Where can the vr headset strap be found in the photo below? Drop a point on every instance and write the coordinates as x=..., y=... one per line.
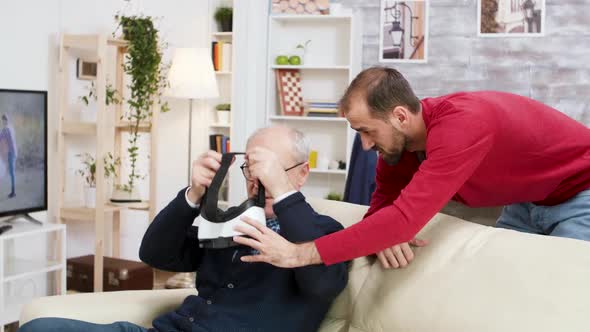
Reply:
x=211, y=198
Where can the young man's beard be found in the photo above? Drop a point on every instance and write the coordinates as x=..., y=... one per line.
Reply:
x=393, y=157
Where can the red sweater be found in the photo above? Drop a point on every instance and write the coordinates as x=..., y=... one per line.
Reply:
x=482, y=149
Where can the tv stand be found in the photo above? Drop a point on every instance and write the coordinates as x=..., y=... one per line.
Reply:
x=24, y=216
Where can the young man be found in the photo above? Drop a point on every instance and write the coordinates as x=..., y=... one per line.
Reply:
x=479, y=148
x=233, y=295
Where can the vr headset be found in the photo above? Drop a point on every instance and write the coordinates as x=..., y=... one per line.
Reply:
x=216, y=227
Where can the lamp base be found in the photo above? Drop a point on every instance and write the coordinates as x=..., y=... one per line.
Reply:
x=182, y=280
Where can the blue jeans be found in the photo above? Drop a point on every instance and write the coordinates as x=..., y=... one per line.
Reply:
x=70, y=325
x=568, y=219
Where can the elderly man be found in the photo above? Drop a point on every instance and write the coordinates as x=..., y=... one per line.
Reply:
x=233, y=295
x=480, y=148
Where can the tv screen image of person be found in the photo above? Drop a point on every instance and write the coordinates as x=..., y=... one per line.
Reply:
x=23, y=151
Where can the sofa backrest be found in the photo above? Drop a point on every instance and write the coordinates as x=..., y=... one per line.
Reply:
x=338, y=318
x=469, y=278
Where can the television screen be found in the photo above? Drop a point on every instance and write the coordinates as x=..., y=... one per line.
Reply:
x=23, y=151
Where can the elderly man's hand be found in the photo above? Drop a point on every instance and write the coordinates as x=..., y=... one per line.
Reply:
x=265, y=166
x=203, y=171
x=400, y=255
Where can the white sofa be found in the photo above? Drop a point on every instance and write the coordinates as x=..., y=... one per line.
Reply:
x=469, y=278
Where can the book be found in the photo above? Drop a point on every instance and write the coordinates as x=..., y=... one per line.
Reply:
x=321, y=104
x=226, y=57
x=216, y=56
x=223, y=144
x=218, y=143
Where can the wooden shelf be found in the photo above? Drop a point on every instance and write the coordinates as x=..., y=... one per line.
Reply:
x=84, y=213
x=89, y=43
x=229, y=34
x=310, y=67
x=102, y=49
x=118, y=42
x=144, y=127
x=307, y=118
x=139, y=206
x=328, y=171
x=79, y=128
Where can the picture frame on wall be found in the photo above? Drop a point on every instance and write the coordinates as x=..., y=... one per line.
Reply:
x=511, y=18
x=403, y=35
x=86, y=70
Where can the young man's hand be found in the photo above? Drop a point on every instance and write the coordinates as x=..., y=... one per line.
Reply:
x=265, y=166
x=203, y=171
x=273, y=248
x=400, y=255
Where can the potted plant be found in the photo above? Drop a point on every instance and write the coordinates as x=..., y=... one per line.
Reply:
x=112, y=98
x=223, y=113
x=88, y=173
x=224, y=18
x=143, y=63
x=299, y=54
x=333, y=196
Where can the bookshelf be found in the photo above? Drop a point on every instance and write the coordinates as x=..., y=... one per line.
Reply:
x=224, y=74
x=332, y=59
x=107, y=133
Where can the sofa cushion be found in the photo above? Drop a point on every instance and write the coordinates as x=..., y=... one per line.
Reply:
x=477, y=278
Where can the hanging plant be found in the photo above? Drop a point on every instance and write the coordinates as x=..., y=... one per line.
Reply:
x=143, y=64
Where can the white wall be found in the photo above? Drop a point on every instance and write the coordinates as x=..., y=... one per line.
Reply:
x=29, y=32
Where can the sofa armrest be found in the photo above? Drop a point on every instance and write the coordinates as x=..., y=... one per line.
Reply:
x=139, y=307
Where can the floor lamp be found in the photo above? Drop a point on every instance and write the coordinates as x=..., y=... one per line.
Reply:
x=191, y=77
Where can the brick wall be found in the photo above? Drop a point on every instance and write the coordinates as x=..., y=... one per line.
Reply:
x=554, y=69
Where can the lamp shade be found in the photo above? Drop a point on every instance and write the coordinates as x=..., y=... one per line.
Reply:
x=191, y=75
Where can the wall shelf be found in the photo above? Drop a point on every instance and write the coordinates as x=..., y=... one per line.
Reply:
x=312, y=18
x=79, y=128
x=331, y=61
x=22, y=268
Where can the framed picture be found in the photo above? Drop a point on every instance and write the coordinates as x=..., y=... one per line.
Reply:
x=85, y=70
x=404, y=31
x=511, y=18
x=289, y=91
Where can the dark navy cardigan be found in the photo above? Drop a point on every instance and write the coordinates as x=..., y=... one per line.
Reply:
x=238, y=296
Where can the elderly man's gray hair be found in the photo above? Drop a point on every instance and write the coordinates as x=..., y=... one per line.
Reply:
x=300, y=142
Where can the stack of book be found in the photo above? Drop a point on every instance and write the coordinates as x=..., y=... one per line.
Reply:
x=321, y=109
x=221, y=54
x=219, y=143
